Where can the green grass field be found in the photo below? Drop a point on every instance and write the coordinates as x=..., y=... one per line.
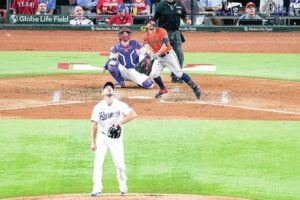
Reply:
x=250, y=159
x=272, y=66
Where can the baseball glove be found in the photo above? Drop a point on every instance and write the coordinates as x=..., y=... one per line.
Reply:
x=114, y=131
x=145, y=66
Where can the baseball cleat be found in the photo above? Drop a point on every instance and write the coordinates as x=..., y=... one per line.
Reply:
x=161, y=92
x=95, y=194
x=197, y=92
x=123, y=193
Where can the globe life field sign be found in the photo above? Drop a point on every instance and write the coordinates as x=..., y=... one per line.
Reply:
x=39, y=19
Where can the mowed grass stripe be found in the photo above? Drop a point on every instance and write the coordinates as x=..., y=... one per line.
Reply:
x=250, y=159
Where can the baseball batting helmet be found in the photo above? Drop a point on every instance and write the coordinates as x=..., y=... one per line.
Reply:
x=149, y=19
x=124, y=37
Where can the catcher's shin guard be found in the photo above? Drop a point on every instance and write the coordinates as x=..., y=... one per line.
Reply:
x=114, y=70
x=147, y=84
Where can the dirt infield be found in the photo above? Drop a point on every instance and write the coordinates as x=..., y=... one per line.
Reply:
x=251, y=99
x=248, y=98
x=31, y=97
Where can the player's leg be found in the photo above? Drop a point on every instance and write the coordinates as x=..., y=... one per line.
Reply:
x=157, y=68
x=172, y=63
x=115, y=72
x=138, y=78
x=117, y=152
x=100, y=154
x=176, y=43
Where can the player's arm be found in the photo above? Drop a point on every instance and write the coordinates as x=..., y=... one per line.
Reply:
x=165, y=44
x=94, y=135
x=184, y=17
x=127, y=118
x=148, y=49
x=141, y=51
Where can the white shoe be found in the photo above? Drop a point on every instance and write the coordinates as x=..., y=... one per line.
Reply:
x=95, y=194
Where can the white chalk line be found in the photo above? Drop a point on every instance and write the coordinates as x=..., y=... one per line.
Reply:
x=241, y=107
x=44, y=105
x=163, y=101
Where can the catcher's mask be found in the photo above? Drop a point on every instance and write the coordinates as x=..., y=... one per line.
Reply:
x=124, y=34
x=150, y=19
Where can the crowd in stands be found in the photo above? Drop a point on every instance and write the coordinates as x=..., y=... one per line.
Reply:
x=124, y=12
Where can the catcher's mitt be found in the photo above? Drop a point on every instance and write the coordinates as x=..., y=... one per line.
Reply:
x=114, y=131
x=145, y=66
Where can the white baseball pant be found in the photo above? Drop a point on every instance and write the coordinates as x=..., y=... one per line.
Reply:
x=170, y=61
x=132, y=75
x=116, y=147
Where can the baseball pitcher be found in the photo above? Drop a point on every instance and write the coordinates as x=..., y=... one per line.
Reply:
x=157, y=45
x=107, y=134
x=123, y=58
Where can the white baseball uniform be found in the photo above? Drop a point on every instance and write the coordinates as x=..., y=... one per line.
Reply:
x=107, y=115
x=170, y=61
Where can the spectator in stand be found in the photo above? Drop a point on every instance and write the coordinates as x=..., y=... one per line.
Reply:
x=140, y=7
x=79, y=18
x=51, y=5
x=270, y=6
x=42, y=9
x=122, y=18
x=198, y=10
x=294, y=8
x=88, y=5
x=24, y=7
x=213, y=6
x=250, y=12
x=108, y=6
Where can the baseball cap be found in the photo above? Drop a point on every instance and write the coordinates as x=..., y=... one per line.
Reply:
x=250, y=4
x=108, y=84
x=121, y=7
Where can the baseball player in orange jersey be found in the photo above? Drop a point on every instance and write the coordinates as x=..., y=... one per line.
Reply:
x=157, y=45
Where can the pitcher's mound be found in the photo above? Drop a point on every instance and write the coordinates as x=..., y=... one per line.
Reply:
x=127, y=197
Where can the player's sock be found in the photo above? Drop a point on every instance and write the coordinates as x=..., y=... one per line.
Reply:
x=159, y=82
x=186, y=78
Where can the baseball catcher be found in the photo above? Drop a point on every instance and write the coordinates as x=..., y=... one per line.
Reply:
x=123, y=58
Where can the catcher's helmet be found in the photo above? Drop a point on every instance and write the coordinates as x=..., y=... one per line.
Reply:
x=124, y=37
x=149, y=19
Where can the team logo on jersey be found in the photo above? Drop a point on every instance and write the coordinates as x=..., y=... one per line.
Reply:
x=13, y=19
x=103, y=116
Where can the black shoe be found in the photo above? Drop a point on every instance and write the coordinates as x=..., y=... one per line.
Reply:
x=197, y=92
x=176, y=80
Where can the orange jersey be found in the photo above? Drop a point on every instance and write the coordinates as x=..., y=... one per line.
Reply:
x=156, y=39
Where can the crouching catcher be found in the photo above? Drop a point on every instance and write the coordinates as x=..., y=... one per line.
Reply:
x=123, y=58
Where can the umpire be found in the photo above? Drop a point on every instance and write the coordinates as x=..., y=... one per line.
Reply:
x=168, y=14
